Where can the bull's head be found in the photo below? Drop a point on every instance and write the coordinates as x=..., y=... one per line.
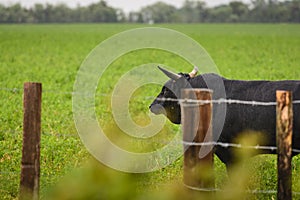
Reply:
x=172, y=90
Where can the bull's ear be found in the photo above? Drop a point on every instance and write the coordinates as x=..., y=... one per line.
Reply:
x=169, y=74
x=194, y=72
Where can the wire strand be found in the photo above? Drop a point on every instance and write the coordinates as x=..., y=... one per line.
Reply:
x=247, y=191
x=213, y=143
x=184, y=102
x=234, y=145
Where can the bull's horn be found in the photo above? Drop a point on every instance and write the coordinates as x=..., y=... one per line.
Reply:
x=194, y=72
x=169, y=74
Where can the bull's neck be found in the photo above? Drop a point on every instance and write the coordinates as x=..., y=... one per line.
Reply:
x=201, y=81
x=197, y=82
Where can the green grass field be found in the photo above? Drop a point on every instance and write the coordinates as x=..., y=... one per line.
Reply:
x=52, y=54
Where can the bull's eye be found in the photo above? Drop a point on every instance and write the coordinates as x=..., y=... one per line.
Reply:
x=166, y=91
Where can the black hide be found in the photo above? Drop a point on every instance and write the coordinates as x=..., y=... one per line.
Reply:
x=240, y=119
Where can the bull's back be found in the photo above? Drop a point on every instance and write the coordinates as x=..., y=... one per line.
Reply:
x=246, y=118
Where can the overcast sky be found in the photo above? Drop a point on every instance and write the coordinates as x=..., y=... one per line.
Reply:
x=126, y=5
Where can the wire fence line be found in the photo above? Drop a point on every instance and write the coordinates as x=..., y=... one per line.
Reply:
x=9, y=173
x=255, y=191
x=183, y=102
x=15, y=90
x=20, y=90
x=247, y=191
x=213, y=143
x=20, y=132
x=234, y=145
x=12, y=132
x=195, y=102
x=179, y=101
x=97, y=94
x=17, y=173
x=165, y=142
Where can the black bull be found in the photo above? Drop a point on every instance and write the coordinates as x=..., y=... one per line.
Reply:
x=239, y=119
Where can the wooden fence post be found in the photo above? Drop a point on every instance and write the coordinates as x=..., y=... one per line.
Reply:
x=284, y=129
x=197, y=125
x=30, y=166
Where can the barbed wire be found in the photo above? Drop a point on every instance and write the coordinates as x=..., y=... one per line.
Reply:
x=15, y=90
x=12, y=132
x=256, y=191
x=227, y=101
x=179, y=101
x=212, y=143
x=184, y=102
x=11, y=89
x=8, y=173
x=234, y=145
x=19, y=132
x=194, y=102
x=69, y=135
x=96, y=94
x=247, y=191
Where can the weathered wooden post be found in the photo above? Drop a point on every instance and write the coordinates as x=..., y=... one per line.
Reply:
x=197, y=128
x=30, y=166
x=284, y=128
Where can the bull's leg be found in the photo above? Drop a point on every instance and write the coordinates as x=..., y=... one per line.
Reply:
x=225, y=155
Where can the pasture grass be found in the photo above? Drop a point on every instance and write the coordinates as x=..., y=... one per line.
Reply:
x=52, y=54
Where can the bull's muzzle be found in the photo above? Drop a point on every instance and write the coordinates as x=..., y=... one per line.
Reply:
x=157, y=109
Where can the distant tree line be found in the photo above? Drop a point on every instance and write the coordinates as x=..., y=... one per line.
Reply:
x=60, y=13
x=192, y=11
